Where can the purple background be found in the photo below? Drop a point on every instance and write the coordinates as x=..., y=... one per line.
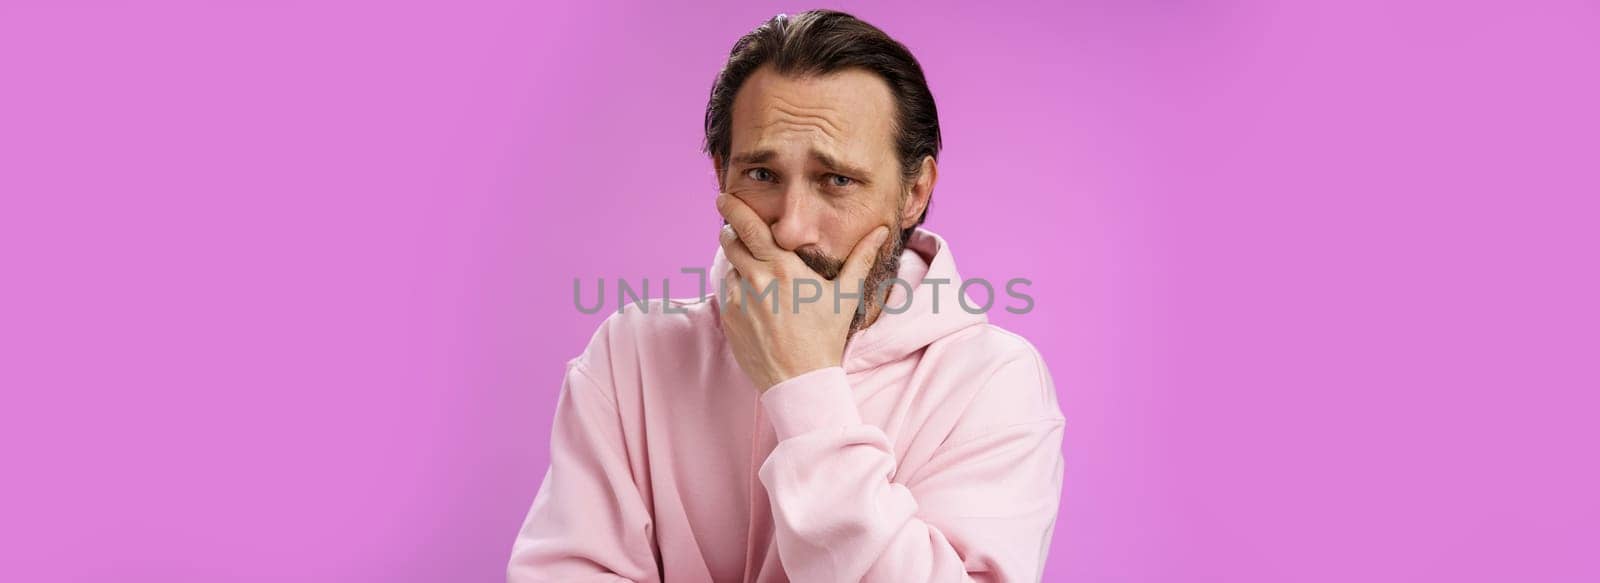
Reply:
x=287, y=286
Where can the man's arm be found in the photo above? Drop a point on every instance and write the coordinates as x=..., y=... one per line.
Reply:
x=588, y=522
x=982, y=509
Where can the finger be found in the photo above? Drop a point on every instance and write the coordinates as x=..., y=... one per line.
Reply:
x=737, y=253
x=861, y=258
x=729, y=295
x=755, y=233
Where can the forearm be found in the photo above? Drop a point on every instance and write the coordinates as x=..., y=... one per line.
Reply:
x=983, y=511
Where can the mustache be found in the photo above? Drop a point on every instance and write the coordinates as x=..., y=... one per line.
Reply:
x=824, y=264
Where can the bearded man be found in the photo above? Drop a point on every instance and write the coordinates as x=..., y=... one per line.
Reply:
x=807, y=422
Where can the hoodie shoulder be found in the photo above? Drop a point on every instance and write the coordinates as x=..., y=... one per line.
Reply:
x=1011, y=384
x=644, y=336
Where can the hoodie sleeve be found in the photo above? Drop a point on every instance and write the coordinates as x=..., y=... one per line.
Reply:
x=588, y=521
x=982, y=508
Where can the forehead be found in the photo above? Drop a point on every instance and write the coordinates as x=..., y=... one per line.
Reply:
x=848, y=114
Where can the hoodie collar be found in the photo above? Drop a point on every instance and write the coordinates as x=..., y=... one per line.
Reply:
x=927, y=266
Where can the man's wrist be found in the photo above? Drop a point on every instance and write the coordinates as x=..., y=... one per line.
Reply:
x=817, y=399
x=782, y=376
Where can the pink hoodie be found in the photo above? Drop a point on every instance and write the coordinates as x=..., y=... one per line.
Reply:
x=932, y=454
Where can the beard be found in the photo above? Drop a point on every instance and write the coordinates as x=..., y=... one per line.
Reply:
x=885, y=265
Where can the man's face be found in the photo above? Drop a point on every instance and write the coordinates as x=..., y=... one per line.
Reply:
x=815, y=157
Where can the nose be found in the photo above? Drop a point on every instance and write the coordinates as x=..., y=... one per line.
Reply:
x=798, y=221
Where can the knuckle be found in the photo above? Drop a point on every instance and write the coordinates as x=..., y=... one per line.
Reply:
x=746, y=233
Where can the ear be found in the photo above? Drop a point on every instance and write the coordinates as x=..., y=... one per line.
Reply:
x=921, y=191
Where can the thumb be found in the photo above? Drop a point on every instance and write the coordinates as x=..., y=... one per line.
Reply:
x=859, y=264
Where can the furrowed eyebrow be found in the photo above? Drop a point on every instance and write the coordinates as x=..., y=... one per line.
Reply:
x=834, y=165
x=756, y=157
x=829, y=162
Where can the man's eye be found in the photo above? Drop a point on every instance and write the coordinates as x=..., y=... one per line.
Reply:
x=839, y=181
x=759, y=174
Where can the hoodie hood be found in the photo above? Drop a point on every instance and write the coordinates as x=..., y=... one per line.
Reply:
x=932, y=309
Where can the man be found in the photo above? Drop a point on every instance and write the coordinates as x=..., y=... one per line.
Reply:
x=791, y=427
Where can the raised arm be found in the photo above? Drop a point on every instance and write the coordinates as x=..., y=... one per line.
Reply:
x=982, y=509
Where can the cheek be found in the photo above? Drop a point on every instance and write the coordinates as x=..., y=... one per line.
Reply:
x=869, y=209
x=766, y=206
x=848, y=222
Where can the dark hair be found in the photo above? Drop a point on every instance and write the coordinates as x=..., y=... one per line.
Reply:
x=819, y=42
